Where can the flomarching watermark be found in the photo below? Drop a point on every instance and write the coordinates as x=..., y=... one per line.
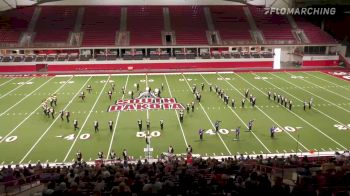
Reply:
x=300, y=11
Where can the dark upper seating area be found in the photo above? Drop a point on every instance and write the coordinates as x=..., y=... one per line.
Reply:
x=100, y=24
x=231, y=22
x=189, y=24
x=314, y=33
x=13, y=23
x=145, y=24
x=274, y=27
x=55, y=23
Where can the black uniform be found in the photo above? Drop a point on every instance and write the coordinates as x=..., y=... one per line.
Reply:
x=188, y=108
x=100, y=155
x=189, y=149
x=210, y=88
x=246, y=93
x=238, y=132
x=89, y=88
x=243, y=101
x=272, y=132
x=79, y=156
x=62, y=114
x=181, y=116
x=139, y=122
x=96, y=126
x=125, y=154
x=274, y=96
x=67, y=116
x=171, y=150
x=112, y=155
x=52, y=112
x=202, y=86
x=269, y=95
x=250, y=125
x=310, y=105
x=137, y=86
x=161, y=124
x=290, y=105
x=201, y=132
x=148, y=124
x=110, y=95
x=192, y=106
x=75, y=125
x=110, y=124
x=162, y=87
x=304, y=105
x=113, y=85
x=217, y=126
x=253, y=101
x=233, y=103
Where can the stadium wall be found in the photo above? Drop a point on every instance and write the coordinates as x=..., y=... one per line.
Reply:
x=320, y=60
x=136, y=65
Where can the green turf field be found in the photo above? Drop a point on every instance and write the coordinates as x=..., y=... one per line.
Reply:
x=27, y=135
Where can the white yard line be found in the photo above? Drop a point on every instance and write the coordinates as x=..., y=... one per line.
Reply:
x=19, y=86
x=347, y=98
x=312, y=93
x=7, y=82
x=24, y=120
x=18, y=102
x=116, y=121
x=176, y=113
x=327, y=80
x=314, y=109
x=281, y=127
x=146, y=87
x=256, y=137
x=41, y=137
x=87, y=118
x=223, y=142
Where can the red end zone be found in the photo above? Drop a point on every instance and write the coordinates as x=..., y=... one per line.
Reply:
x=345, y=75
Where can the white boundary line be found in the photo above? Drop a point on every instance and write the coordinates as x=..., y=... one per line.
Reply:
x=18, y=102
x=311, y=93
x=347, y=98
x=176, y=113
x=223, y=142
x=14, y=129
x=241, y=119
x=7, y=81
x=116, y=121
x=19, y=86
x=146, y=87
x=87, y=118
x=327, y=80
x=40, y=138
x=281, y=127
x=314, y=109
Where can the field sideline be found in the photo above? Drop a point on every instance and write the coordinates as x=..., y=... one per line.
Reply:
x=28, y=136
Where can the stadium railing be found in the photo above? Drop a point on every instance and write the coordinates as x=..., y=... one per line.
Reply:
x=19, y=185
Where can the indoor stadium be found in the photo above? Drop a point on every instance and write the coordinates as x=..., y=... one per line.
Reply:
x=175, y=97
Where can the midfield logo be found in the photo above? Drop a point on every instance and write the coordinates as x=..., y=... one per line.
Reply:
x=146, y=104
x=147, y=100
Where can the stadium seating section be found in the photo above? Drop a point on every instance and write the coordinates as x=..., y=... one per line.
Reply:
x=13, y=23
x=100, y=29
x=231, y=22
x=55, y=24
x=146, y=23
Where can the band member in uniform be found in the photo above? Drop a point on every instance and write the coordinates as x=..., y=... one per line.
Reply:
x=243, y=101
x=123, y=90
x=201, y=132
x=278, y=98
x=189, y=149
x=285, y=102
x=148, y=124
x=246, y=93
x=217, y=126
x=269, y=94
x=161, y=124
x=100, y=155
x=125, y=154
x=272, y=131
x=171, y=149
x=96, y=126
x=274, y=96
x=137, y=86
x=238, y=130
x=253, y=101
x=233, y=103
x=162, y=87
x=290, y=104
x=110, y=95
x=67, y=116
x=188, y=108
x=139, y=122
x=202, y=86
x=210, y=88
x=110, y=124
x=113, y=86
x=192, y=106
x=79, y=156
x=112, y=155
x=181, y=116
x=250, y=125
x=82, y=95
x=62, y=114
x=88, y=88
x=54, y=99
x=52, y=112
x=75, y=123
x=304, y=105
x=310, y=104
